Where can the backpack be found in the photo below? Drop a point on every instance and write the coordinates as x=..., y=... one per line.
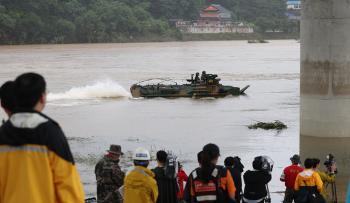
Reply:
x=211, y=191
x=171, y=166
x=309, y=194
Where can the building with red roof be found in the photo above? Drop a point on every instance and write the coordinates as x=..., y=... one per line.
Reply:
x=214, y=19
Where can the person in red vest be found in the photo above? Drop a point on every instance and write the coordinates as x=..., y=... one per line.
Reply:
x=288, y=176
x=181, y=178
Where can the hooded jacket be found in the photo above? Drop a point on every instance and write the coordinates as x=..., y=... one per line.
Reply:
x=308, y=178
x=140, y=186
x=36, y=164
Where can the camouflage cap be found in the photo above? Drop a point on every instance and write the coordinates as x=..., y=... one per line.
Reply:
x=115, y=149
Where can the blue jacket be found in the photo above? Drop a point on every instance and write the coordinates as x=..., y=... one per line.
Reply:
x=348, y=196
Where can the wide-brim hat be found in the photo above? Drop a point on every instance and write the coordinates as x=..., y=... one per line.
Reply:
x=295, y=158
x=115, y=149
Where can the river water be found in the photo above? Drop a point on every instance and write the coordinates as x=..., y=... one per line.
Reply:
x=89, y=96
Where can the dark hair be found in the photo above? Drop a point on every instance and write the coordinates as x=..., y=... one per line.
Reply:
x=200, y=157
x=257, y=163
x=7, y=95
x=295, y=159
x=161, y=156
x=229, y=161
x=29, y=87
x=212, y=150
x=210, y=153
x=308, y=163
x=316, y=162
x=238, y=164
x=141, y=163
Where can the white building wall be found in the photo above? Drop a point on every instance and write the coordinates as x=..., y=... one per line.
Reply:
x=210, y=28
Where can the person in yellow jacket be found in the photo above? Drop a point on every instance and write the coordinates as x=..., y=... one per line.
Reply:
x=327, y=177
x=308, y=178
x=36, y=164
x=308, y=184
x=139, y=184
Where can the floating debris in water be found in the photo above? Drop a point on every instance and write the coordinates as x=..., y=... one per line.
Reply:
x=257, y=41
x=277, y=125
x=79, y=139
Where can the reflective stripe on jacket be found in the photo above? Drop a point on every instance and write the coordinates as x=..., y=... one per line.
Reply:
x=226, y=184
x=36, y=164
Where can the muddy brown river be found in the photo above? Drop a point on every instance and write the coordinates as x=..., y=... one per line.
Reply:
x=89, y=96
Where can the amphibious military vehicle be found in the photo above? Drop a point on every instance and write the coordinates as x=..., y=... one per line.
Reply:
x=206, y=86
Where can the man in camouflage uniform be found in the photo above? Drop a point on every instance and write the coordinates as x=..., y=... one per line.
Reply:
x=109, y=176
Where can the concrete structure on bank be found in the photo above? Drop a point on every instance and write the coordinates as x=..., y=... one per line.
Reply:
x=294, y=10
x=198, y=27
x=325, y=83
x=294, y=4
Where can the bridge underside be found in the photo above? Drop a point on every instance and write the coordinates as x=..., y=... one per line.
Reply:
x=325, y=84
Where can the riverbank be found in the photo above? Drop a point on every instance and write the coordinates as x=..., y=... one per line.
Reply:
x=235, y=36
x=177, y=36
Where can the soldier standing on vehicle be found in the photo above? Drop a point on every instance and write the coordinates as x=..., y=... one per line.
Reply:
x=204, y=76
x=196, y=79
x=109, y=176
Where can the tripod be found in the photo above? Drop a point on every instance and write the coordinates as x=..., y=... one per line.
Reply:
x=334, y=193
x=268, y=198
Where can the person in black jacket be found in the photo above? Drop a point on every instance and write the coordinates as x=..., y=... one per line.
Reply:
x=234, y=165
x=167, y=187
x=255, y=182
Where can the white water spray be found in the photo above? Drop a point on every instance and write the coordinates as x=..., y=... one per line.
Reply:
x=100, y=90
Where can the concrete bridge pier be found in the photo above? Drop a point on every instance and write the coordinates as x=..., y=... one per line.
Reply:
x=325, y=84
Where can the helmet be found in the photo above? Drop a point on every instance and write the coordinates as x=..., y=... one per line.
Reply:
x=141, y=154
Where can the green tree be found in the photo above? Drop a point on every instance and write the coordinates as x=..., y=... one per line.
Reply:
x=89, y=27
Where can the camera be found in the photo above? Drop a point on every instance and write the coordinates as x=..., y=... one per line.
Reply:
x=263, y=163
x=267, y=164
x=330, y=161
x=91, y=200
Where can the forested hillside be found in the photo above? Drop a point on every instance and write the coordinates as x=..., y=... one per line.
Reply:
x=70, y=21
